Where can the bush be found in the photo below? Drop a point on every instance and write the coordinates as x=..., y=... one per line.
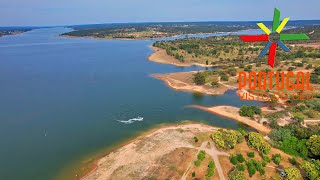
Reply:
x=195, y=139
x=276, y=158
x=249, y=111
x=251, y=167
x=243, y=132
x=309, y=66
x=197, y=163
x=280, y=134
x=293, y=161
x=317, y=70
x=224, y=77
x=233, y=159
x=250, y=154
x=251, y=170
x=314, y=79
x=202, y=155
x=210, y=170
x=211, y=165
x=298, y=118
x=236, y=175
x=264, y=164
x=300, y=64
x=291, y=68
x=257, y=165
x=240, y=167
x=193, y=174
x=294, y=146
x=266, y=158
x=240, y=158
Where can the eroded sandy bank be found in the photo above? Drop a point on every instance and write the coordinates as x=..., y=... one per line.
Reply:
x=233, y=113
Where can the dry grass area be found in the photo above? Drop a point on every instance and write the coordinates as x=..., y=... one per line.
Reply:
x=173, y=164
x=201, y=171
x=166, y=152
x=226, y=165
x=315, y=45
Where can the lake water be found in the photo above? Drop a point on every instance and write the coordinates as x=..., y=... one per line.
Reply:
x=61, y=99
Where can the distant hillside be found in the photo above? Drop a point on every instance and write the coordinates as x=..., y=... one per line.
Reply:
x=167, y=29
x=13, y=30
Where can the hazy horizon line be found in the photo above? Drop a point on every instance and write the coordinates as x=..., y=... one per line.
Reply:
x=145, y=22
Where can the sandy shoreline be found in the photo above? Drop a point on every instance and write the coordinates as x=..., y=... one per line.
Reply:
x=182, y=81
x=160, y=56
x=98, y=170
x=233, y=113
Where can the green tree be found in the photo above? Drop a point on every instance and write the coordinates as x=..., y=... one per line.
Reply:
x=313, y=144
x=202, y=155
x=250, y=154
x=197, y=163
x=293, y=173
x=199, y=78
x=255, y=140
x=233, y=159
x=227, y=139
x=246, y=111
x=240, y=167
x=210, y=170
x=266, y=158
x=252, y=170
x=240, y=158
x=276, y=158
x=311, y=170
x=280, y=134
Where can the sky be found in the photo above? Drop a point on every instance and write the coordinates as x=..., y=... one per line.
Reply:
x=72, y=12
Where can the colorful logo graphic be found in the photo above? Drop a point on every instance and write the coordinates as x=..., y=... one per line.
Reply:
x=274, y=38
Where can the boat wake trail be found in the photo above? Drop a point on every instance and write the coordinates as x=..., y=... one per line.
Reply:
x=130, y=121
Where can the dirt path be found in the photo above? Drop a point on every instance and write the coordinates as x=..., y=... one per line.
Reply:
x=311, y=121
x=184, y=176
x=214, y=153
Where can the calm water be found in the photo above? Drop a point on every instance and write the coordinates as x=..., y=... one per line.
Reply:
x=60, y=100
